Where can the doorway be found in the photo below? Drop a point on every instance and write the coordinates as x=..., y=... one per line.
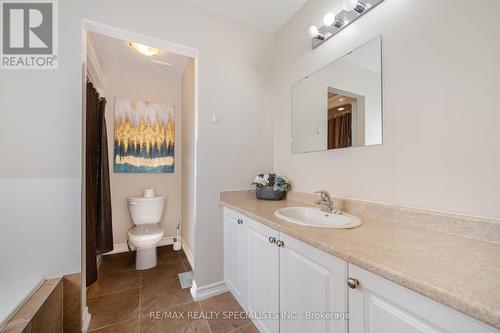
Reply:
x=120, y=74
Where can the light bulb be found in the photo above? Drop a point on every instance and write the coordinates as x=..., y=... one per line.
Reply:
x=329, y=19
x=144, y=49
x=356, y=5
x=349, y=5
x=313, y=31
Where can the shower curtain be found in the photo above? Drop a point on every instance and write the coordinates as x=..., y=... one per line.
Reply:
x=98, y=227
x=340, y=131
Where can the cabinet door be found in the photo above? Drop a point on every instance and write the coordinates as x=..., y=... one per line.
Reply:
x=380, y=306
x=262, y=277
x=233, y=253
x=313, y=289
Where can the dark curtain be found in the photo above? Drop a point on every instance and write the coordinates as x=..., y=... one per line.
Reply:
x=340, y=131
x=98, y=232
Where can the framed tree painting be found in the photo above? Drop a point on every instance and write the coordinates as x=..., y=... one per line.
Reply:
x=144, y=139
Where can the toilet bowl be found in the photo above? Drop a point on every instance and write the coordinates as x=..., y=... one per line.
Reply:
x=146, y=213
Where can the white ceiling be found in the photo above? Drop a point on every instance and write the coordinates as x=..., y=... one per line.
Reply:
x=267, y=15
x=114, y=53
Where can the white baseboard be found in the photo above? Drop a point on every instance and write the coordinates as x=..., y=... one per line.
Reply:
x=210, y=290
x=189, y=254
x=122, y=247
x=86, y=320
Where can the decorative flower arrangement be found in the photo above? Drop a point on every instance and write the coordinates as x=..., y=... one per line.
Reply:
x=271, y=186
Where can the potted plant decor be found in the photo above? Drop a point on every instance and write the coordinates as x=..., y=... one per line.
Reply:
x=271, y=186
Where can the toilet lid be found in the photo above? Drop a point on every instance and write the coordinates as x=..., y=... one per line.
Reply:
x=146, y=229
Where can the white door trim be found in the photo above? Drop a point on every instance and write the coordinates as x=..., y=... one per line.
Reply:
x=189, y=254
x=118, y=33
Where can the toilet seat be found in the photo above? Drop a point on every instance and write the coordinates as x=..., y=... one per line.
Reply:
x=145, y=235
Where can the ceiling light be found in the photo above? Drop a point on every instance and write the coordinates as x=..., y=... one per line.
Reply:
x=144, y=50
x=356, y=5
x=341, y=109
x=315, y=33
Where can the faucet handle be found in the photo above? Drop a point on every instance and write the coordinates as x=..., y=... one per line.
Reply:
x=324, y=194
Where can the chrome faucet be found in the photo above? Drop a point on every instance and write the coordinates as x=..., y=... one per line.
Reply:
x=326, y=204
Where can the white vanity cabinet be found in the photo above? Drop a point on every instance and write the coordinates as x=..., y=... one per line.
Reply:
x=377, y=305
x=279, y=275
x=262, y=281
x=272, y=273
x=233, y=253
x=312, y=284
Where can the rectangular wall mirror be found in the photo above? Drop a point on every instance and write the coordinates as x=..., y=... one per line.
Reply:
x=340, y=105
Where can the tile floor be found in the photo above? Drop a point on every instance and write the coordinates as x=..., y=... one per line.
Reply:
x=123, y=299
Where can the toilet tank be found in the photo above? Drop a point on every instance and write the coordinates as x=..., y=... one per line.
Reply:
x=146, y=210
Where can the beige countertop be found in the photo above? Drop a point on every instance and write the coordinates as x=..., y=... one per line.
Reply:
x=461, y=273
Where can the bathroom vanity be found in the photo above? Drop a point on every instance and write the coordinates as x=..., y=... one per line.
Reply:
x=380, y=277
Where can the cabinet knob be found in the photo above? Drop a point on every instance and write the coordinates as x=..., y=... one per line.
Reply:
x=272, y=240
x=280, y=243
x=352, y=283
x=240, y=221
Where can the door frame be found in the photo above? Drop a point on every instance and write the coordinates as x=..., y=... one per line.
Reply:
x=118, y=33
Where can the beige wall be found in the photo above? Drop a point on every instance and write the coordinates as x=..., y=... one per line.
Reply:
x=235, y=82
x=440, y=61
x=188, y=156
x=126, y=81
x=441, y=130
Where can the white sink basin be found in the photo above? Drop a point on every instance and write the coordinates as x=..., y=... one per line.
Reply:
x=314, y=217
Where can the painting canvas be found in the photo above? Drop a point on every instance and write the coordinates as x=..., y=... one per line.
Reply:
x=144, y=137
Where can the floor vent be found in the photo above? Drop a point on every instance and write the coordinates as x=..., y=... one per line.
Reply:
x=186, y=279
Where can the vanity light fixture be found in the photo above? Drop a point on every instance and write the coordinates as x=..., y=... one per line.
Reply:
x=333, y=23
x=148, y=51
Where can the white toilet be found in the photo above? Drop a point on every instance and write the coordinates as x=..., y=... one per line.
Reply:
x=146, y=213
